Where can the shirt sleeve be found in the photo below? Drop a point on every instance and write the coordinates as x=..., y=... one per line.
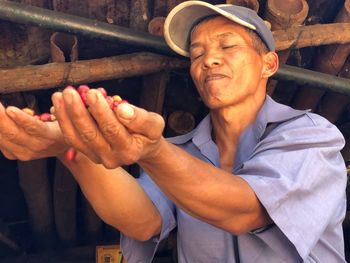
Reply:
x=299, y=176
x=138, y=251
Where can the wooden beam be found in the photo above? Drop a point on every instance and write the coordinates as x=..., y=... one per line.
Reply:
x=84, y=71
x=315, y=35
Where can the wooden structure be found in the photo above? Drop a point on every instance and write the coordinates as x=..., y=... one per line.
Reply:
x=34, y=215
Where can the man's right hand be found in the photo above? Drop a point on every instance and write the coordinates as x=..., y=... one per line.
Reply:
x=24, y=137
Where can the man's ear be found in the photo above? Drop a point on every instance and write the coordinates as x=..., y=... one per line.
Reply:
x=271, y=63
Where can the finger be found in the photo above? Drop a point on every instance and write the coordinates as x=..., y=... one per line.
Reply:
x=13, y=152
x=52, y=110
x=140, y=121
x=83, y=122
x=31, y=125
x=113, y=131
x=8, y=155
x=13, y=139
x=27, y=129
x=70, y=134
x=8, y=129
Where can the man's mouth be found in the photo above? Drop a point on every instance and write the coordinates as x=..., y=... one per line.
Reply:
x=214, y=77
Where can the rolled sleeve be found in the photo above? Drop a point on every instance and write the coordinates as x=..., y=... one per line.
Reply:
x=138, y=251
x=299, y=177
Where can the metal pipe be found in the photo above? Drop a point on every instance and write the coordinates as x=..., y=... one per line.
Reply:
x=27, y=14
x=316, y=79
x=58, y=21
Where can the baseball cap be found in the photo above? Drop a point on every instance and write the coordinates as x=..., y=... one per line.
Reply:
x=181, y=20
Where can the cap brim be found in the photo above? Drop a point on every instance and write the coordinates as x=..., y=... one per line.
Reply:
x=182, y=18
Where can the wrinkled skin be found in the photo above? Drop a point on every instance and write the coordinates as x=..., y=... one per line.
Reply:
x=96, y=132
x=24, y=137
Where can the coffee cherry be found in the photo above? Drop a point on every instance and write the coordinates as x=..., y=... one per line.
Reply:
x=70, y=154
x=117, y=98
x=45, y=116
x=83, y=89
x=83, y=98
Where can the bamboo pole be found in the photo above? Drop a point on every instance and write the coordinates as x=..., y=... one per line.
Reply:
x=61, y=74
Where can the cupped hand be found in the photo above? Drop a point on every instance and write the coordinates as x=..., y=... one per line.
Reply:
x=114, y=138
x=24, y=137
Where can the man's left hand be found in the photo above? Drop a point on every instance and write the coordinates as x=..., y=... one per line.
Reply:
x=125, y=136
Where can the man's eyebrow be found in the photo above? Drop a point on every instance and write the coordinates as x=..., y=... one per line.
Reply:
x=220, y=36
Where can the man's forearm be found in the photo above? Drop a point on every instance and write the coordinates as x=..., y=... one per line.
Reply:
x=116, y=197
x=205, y=191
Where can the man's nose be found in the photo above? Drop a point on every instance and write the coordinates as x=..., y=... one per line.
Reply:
x=212, y=59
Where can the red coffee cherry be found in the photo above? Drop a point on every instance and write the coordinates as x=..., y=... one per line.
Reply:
x=83, y=89
x=45, y=117
x=70, y=154
x=103, y=91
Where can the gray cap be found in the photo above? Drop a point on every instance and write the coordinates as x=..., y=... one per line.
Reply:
x=185, y=16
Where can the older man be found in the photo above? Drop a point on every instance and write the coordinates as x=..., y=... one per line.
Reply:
x=256, y=181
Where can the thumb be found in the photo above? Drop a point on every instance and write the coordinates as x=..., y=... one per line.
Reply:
x=140, y=121
x=125, y=111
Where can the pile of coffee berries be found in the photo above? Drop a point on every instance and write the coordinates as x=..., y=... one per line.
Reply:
x=113, y=102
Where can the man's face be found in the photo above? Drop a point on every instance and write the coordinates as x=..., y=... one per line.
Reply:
x=224, y=64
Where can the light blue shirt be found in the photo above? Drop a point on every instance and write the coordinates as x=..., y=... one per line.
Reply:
x=292, y=161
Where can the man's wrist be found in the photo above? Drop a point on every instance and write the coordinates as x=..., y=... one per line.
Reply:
x=154, y=154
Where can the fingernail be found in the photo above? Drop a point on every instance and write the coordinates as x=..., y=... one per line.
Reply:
x=125, y=111
x=11, y=113
x=68, y=97
x=92, y=97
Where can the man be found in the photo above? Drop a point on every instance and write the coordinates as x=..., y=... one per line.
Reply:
x=256, y=181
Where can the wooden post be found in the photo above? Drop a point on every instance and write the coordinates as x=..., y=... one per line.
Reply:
x=329, y=60
x=65, y=205
x=34, y=182
x=281, y=15
x=179, y=123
